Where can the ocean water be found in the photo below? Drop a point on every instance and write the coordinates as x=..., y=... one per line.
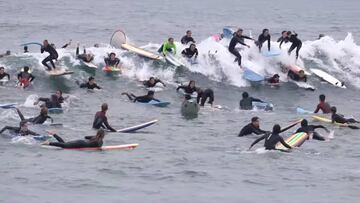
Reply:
x=179, y=159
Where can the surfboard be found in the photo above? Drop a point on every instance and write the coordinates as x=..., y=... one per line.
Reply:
x=4, y=81
x=155, y=89
x=252, y=76
x=296, y=69
x=270, y=53
x=40, y=138
x=55, y=110
x=137, y=127
x=59, y=72
x=190, y=107
x=327, y=120
x=303, y=85
x=103, y=148
x=158, y=104
x=88, y=64
x=118, y=38
x=170, y=58
x=193, y=95
x=7, y=106
x=294, y=140
x=328, y=78
x=228, y=32
x=300, y=110
x=263, y=106
x=110, y=69
x=141, y=52
x=31, y=43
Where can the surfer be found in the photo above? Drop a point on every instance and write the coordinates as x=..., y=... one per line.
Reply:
x=253, y=127
x=52, y=102
x=100, y=120
x=275, y=79
x=271, y=139
x=24, y=77
x=187, y=38
x=152, y=82
x=7, y=53
x=263, y=37
x=142, y=99
x=112, y=60
x=26, y=50
x=84, y=57
x=22, y=130
x=238, y=38
x=298, y=77
x=340, y=118
x=40, y=119
x=190, y=52
x=310, y=130
x=3, y=74
x=168, y=46
x=323, y=106
x=89, y=142
x=60, y=97
x=189, y=89
x=53, y=54
x=296, y=43
x=283, y=37
x=91, y=84
x=246, y=101
x=203, y=95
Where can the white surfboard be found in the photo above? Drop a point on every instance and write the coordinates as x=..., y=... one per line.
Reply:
x=59, y=71
x=304, y=85
x=327, y=77
x=137, y=127
x=173, y=60
x=141, y=52
x=89, y=64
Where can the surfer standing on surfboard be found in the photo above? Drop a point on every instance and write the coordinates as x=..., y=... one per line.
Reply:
x=296, y=42
x=53, y=55
x=3, y=74
x=263, y=37
x=238, y=38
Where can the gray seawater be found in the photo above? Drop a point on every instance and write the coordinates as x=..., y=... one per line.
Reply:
x=178, y=160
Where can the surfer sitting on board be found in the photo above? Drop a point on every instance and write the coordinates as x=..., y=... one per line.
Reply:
x=24, y=77
x=53, y=55
x=310, y=130
x=238, y=38
x=275, y=79
x=298, y=77
x=91, y=84
x=263, y=37
x=152, y=82
x=22, y=130
x=296, y=43
x=112, y=60
x=283, y=37
x=52, y=102
x=190, y=52
x=142, y=99
x=84, y=57
x=253, y=127
x=187, y=38
x=100, y=120
x=189, y=89
x=89, y=142
x=3, y=74
x=203, y=95
x=40, y=119
x=271, y=139
x=340, y=118
x=168, y=46
x=246, y=101
x=323, y=106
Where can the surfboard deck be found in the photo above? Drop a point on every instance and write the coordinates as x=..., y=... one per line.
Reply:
x=173, y=60
x=59, y=72
x=252, y=76
x=141, y=52
x=328, y=78
x=55, y=110
x=303, y=85
x=294, y=140
x=158, y=104
x=137, y=127
x=300, y=110
x=327, y=120
x=89, y=64
x=103, y=148
x=263, y=106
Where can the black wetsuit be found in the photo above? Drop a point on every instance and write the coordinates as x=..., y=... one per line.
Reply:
x=145, y=99
x=100, y=121
x=246, y=103
x=311, y=129
x=285, y=39
x=53, y=55
x=296, y=43
x=296, y=77
x=189, y=53
x=49, y=103
x=340, y=119
x=185, y=39
x=88, y=143
x=272, y=80
x=25, y=76
x=204, y=95
x=187, y=89
x=17, y=130
x=271, y=140
x=110, y=62
x=40, y=119
x=249, y=129
x=2, y=76
x=82, y=56
x=91, y=87
x=236, y=39
x=262, y=38
x=148, y=84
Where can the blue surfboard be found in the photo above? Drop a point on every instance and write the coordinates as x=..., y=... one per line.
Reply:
x=252, y=76
x=159, y=104
x=228, y=32
x=55, y=110
x=271, y=53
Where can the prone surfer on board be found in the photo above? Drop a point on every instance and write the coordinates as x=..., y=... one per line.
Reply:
x=310, y=130
x=91, y=84
x=24, y=77
x=298, y=77
x=89, y=142
x=112, y=60
x=187, y=38
x=53, y=55
x=296, y=42
x=22, y=130
x=3, y=74
x=275, y=79
x=40, y=119
x=263, y=37
x=203, y=95
x=238, y=38
x=340, y=118
x=100, y=120
x=142, y=99
x=152, y=82
x=168, y=46
x=87, y=57
x=246, y=101
x=271, y=139
x=323, y=106
x=190, y=52
x=52, y=102
x=253, y=127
